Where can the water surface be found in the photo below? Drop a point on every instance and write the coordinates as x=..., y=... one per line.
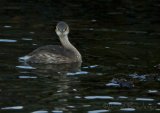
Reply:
x=119, y=42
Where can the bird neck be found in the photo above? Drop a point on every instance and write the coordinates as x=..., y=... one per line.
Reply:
x=66, y=44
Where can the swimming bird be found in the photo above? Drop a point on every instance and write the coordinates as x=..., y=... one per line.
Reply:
x=55, y=54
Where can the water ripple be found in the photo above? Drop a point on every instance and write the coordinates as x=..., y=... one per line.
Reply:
x=25, y=67
x=8, y=40
x=122, y=97
x=92, y=66
x=27, y=39
x=78, y=73
x=127, y=109
x=115, y=103
x=43, y=111
x=98, y=111
x=136, y=76
x=71, y=107
x=13, y=107
x=27, y=77
x=152, y=91
x=7, y=26
x=98, y=97
x=56, y=111
x=144, y=99
x=40, y=111
x=112, y=85
x=77, y=97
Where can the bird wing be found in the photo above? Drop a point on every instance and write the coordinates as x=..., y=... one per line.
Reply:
x=50, y=54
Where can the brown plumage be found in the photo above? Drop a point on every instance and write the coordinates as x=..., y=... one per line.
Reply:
x=56, y=54
x=45, y=55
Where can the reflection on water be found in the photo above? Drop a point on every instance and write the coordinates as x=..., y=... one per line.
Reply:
x=7, y=40
x=14, y=107
x=119, y=42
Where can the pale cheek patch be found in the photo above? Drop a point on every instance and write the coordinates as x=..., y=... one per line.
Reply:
x=66, y=33
x=58, y=33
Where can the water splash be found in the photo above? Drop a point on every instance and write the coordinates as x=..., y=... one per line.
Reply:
x=23, y=59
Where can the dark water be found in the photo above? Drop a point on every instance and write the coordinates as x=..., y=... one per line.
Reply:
x=118, y=39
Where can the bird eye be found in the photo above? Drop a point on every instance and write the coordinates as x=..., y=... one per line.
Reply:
x=61, y=30
x=64, y=29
